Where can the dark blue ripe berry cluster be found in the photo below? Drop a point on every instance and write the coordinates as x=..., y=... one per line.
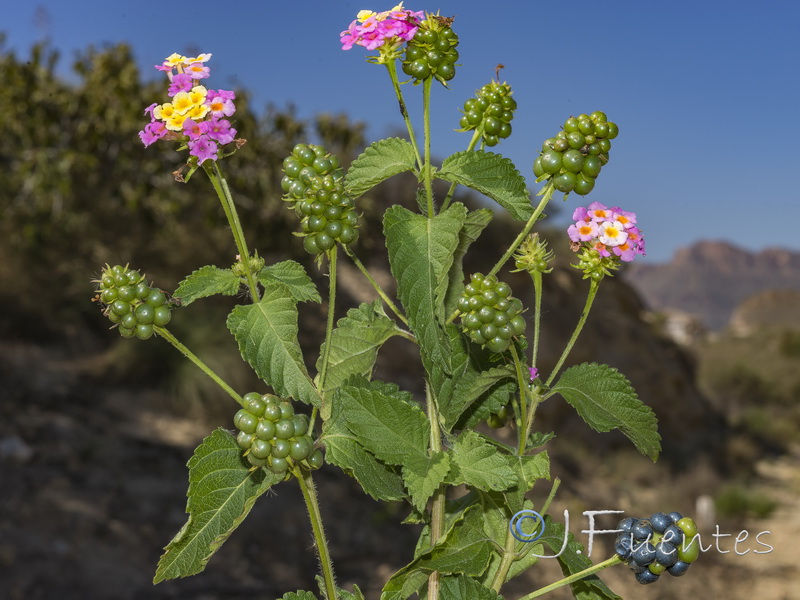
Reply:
x=273, y=436
x=574, y=157
x=131, y=303
x=664, y=542
x=489, y=314
x=432, y=51
x=313, y=183
x=492, y=109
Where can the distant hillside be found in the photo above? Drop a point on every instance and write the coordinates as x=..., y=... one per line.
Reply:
x=711, y=278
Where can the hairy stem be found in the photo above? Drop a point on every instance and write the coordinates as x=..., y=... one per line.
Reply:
x=375, y=285
x=522, y=412
x=332, y=255
x=426, y=120
x=472, y=143
x=310, y=496
x=537, y=314
x=586, y=308
x=614, y=560
x=392, y=68
x=164, y=333
x=547, y=194
x=439, y=496
x=229, y=207
x=509, y=556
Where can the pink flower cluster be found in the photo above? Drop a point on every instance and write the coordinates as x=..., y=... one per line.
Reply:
x=195, y=114
x=372, y=30
x=607, y=230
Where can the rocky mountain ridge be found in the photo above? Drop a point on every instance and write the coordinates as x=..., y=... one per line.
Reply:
x=709, y=279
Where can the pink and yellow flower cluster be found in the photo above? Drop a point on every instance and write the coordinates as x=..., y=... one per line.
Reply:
x=372, y=30
x=195, y=114
x=606, y=230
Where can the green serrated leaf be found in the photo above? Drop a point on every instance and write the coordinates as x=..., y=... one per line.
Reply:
x=539, y=438
x=492, y=175
x=404, y=584
x=378, y=162
x=464, y=549
x=207, y=281
x=222, y=490
x=460, y=587
x=355, y=343
x=490, y=401
x=267, y=336
x=293, y=276
x=529, y=469
x=479, y=464
x=423, y=475
x=604, y=398
x=420, y=255
x=475, y=223
x=377, y=479
x=384, y=420
x=473, y=379
x=573, y=560
x=298, y=595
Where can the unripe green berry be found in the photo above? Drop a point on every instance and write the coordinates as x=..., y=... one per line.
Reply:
x=316, y=460
x=281, y=448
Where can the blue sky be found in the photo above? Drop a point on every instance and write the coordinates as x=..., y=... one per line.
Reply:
x=705, y=93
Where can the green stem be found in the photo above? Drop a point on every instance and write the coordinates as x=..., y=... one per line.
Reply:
x=553, y=490
x=509, y=556
x=310, y=496
x=614, y=560
x=522, y=433
x=332, y=254
x=536, y=400
x=475, y=137
x=392, y=68
x=221, y=187
x=547, y=194
x=537, y=314
x=439, y=496
x=509, y=552
x=375, y=285
x=164, y=333
x=586, y=308
x=426, y=121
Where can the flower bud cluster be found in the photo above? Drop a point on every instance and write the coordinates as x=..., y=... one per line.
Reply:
x=533, y=255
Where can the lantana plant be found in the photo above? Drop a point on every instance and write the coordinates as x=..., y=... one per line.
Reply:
x=478, y=342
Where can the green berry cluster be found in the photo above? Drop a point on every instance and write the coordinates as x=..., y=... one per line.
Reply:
x=574, y=157
x=273, y=436
x=489, y=314
x=492, y=109
x=432, y=51
x=313, y=182
x=131, y=303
